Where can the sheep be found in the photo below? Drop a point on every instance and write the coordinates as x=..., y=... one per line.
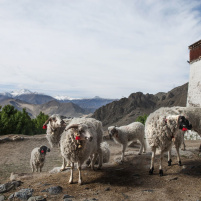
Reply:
x=38, y=158
x=79, y=142
x=129, y=133
x=56, y=124
x=167, y=125
x=105, y=153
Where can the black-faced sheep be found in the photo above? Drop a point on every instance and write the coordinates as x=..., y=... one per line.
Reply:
x=125, y=134
x=38, y=158
x=166, y=126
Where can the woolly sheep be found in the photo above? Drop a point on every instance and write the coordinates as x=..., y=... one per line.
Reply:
x=167, y=125
x=79, y=142
x=129, y=133
x=38, y=158
x=105, y=153
x=56, y=125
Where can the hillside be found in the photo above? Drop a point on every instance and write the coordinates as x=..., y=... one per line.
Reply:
x=51, y=107
x=126, y=110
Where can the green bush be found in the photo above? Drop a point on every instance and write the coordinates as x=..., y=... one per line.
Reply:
x=142, y=119
x=13, y=121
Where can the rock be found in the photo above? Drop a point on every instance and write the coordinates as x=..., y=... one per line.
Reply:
x=9, y=186
x=67, y=198
x=54, y=190
x=2, y=198
x=23, y=194
x=175, y=178
x=37, y=198
x=149, y=190
x=107, y=189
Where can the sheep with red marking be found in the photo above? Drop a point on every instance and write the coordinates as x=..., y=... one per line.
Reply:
x=38, y=158
x=79, y=142
x=166, y=126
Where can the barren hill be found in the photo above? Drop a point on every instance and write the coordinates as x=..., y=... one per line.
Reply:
x=126, y=110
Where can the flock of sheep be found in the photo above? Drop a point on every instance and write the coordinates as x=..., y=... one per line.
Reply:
x=81, y=139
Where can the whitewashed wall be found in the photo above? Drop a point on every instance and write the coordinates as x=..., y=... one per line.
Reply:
x=194, y=87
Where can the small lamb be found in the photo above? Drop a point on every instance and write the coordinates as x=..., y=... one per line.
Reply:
x=105, y=147
x=38, y=158
x=129, y=133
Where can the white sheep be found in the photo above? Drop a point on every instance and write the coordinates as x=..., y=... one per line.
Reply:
x=105, y=153
x=38, y=158
x=56, y=125
x=79, y=142
x=129, y=133
x=167, y=125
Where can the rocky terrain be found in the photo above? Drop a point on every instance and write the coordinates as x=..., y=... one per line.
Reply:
x=126, y=110
x=115, y=181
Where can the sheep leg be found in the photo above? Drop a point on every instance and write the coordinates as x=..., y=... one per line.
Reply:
x=63, y=164
x=152, y=160
x=169, y=157
x=160, y=166
x=141, y=147
x=178, y=155
x=184, y=145
x=80, y=177
x=100, y=158
x=71, y=173
x=32, y=167
x=123, y=150
x=93, y=160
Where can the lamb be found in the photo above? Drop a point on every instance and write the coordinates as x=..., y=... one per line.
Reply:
x=129, y=133
x=38, y=158
x=167, y=125
x=56, y=124
x=105, y=153
x=79, y=142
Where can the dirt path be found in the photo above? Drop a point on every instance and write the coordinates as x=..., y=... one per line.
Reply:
x=127, y=181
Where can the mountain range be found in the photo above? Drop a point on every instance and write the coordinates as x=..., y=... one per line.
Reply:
x=35, y=102
x=126, y=110
x=109, y=111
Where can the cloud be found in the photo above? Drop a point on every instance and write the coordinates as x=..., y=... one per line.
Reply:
x=105, y=48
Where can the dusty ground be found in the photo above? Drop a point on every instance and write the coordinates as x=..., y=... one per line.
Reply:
x=128, y=181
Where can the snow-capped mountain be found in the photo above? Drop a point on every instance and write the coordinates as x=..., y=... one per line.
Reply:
x=89, y=104
x=63, y=98
x=21, y=92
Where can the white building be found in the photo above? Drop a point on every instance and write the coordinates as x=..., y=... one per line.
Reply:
x=194, y=86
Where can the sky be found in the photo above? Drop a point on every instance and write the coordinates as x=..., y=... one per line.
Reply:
x=87, y=48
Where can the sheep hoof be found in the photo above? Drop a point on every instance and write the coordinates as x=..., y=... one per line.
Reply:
x=139, y=153
x=71, y=182
x=151, y=171
x=161, y=172
x=169, y=162
x=179, y=163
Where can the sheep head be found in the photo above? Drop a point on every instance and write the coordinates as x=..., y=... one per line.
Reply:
x=177, y=121
x=81, y=131
x=184, y=123
x=54, y=122
x=43, y=150
x=113, y=132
